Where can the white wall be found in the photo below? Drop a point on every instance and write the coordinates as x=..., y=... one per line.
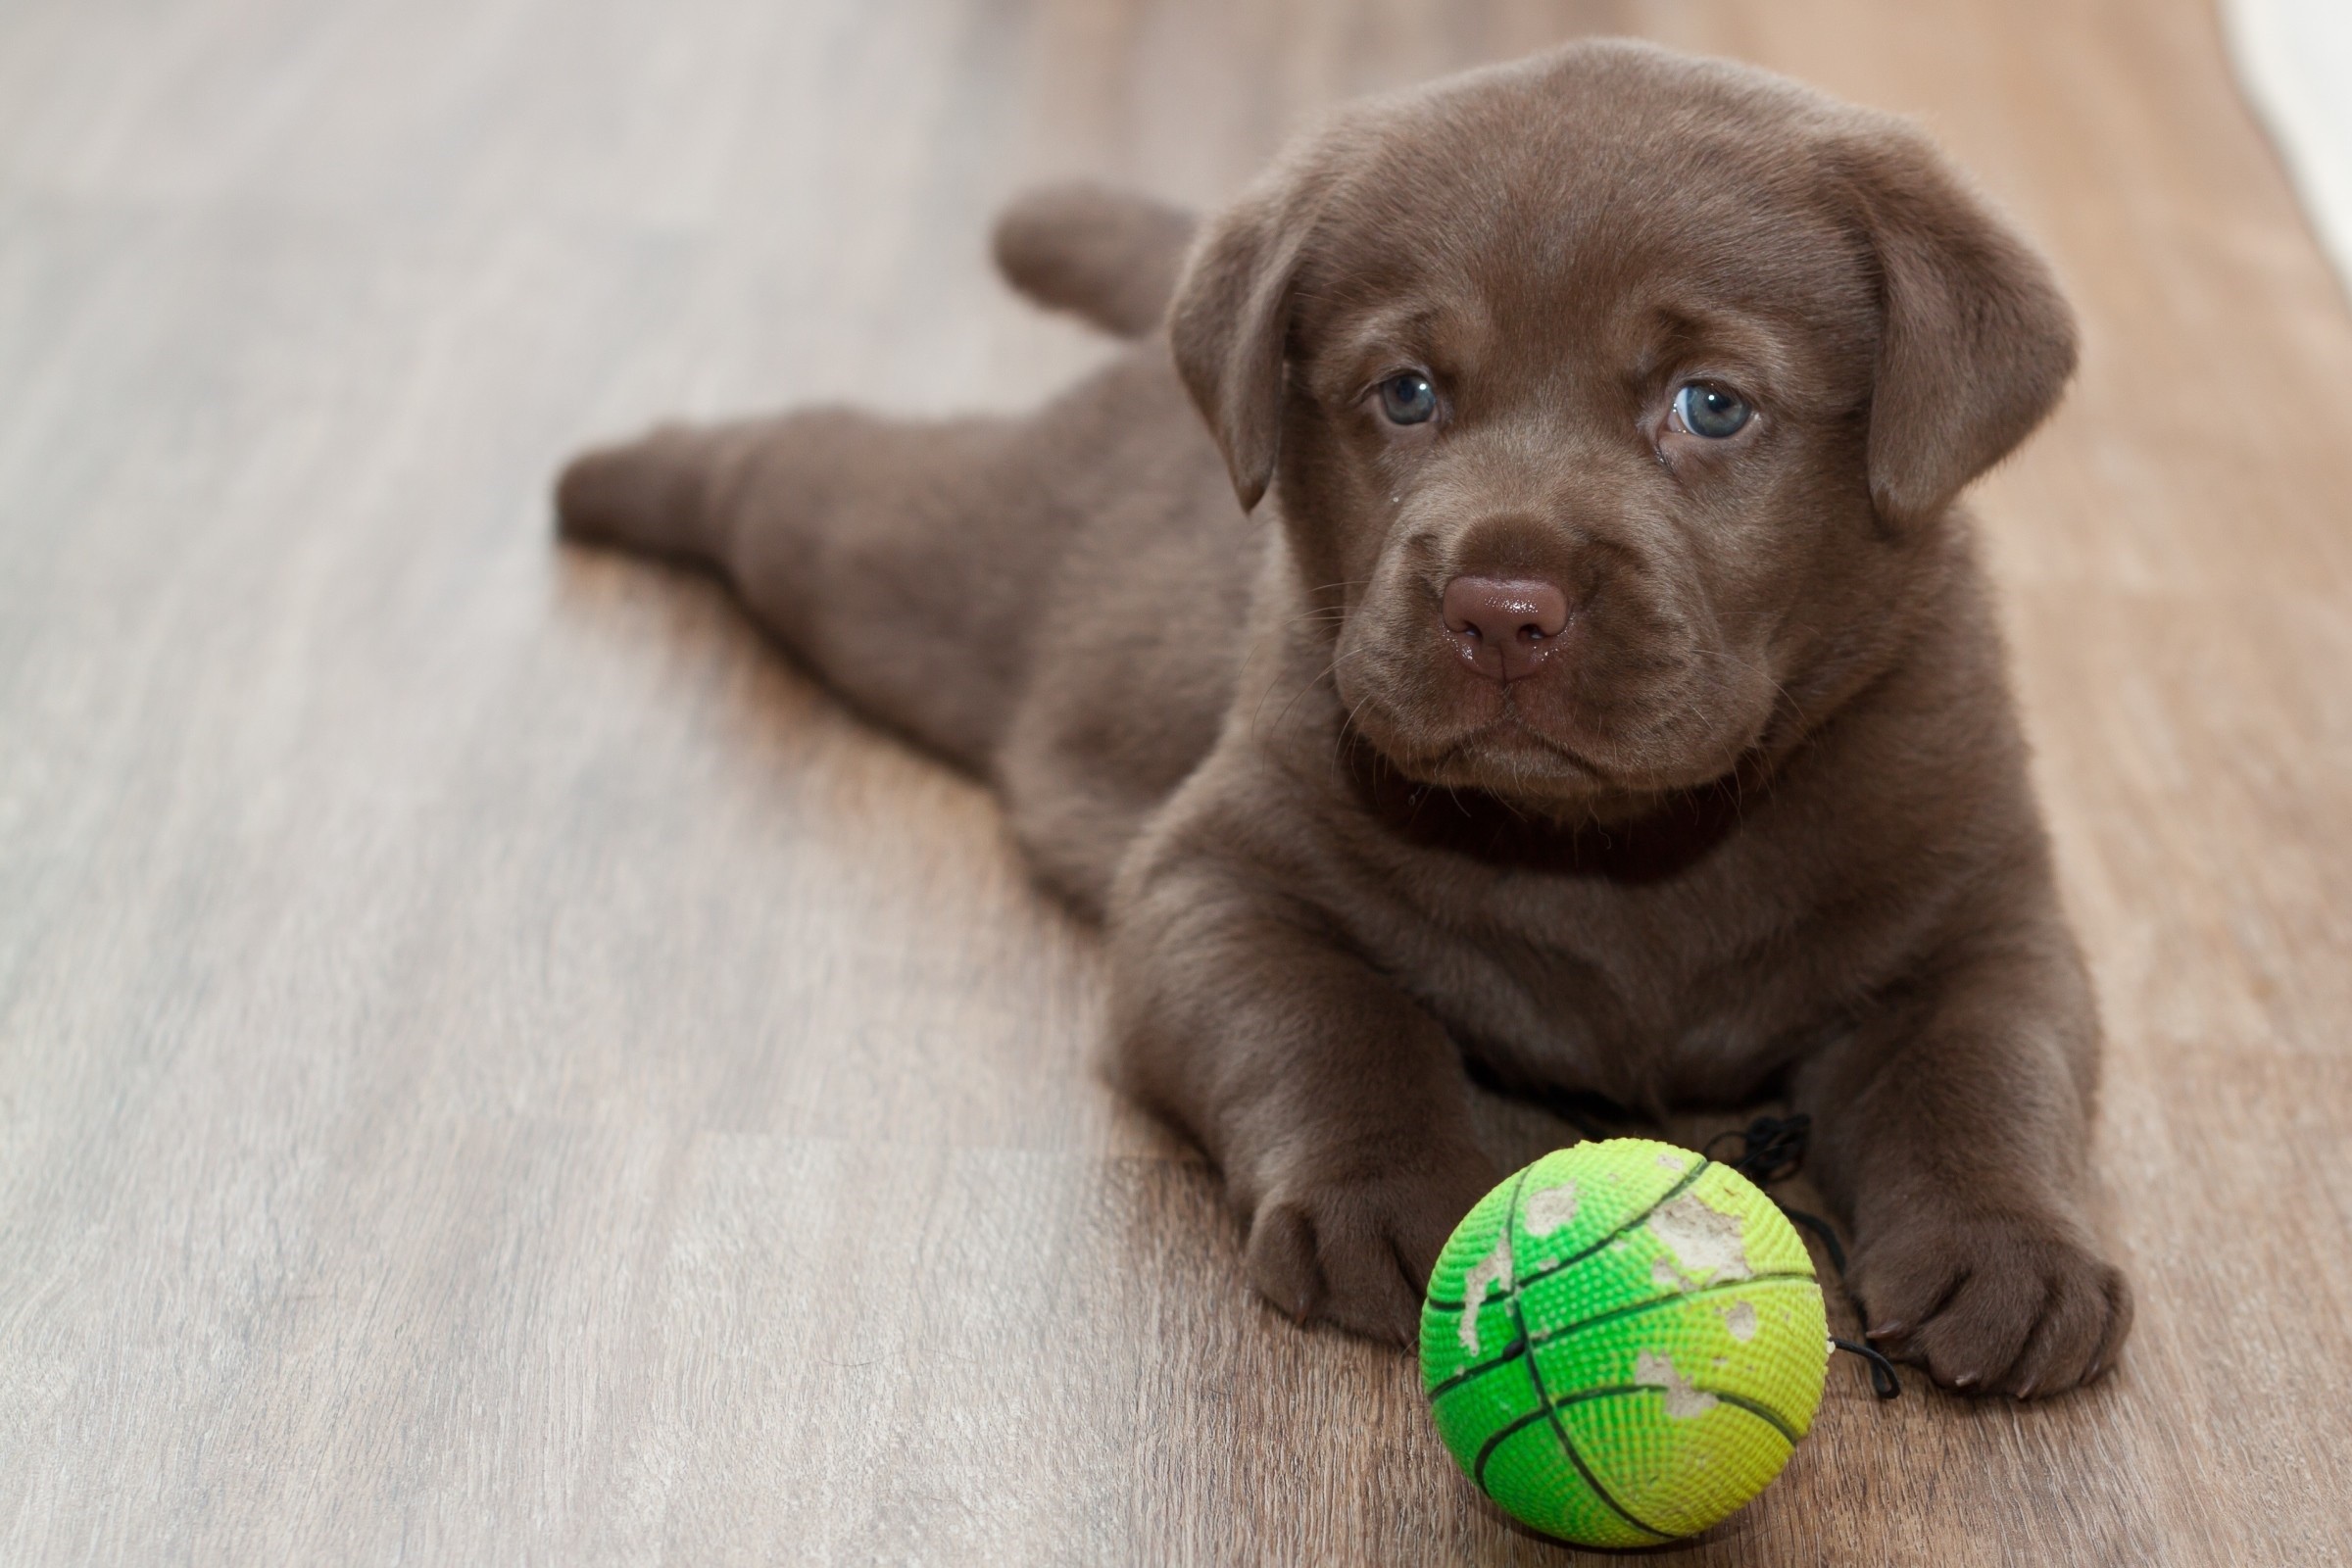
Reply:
x=2295, y=59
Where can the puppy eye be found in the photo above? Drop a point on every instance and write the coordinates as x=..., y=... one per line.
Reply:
x=1709, y=411
x=1408, y=397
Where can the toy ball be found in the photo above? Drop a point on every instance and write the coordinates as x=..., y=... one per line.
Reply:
x=1624, y=1343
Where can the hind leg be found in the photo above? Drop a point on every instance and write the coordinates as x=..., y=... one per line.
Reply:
x=888, y=555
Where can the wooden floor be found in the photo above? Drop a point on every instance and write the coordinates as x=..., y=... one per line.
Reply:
x=495, y=1068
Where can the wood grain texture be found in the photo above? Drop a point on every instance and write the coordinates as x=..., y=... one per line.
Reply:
x=496, y=1067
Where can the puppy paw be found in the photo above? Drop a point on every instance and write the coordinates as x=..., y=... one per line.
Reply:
x=1993, y=1304
x=1357, y=1252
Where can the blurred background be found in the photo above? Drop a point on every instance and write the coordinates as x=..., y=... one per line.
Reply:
x=495, y=1066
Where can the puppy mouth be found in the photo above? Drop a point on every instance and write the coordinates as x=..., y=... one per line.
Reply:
x=1508, y=737
x=1509, y=753
x=1641, y=727
x=1505, y=749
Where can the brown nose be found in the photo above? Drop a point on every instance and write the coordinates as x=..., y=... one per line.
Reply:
x=1505, y=626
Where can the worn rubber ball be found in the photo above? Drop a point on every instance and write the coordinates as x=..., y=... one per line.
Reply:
x=1624, y=1343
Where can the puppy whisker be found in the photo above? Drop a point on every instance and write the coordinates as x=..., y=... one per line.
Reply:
x=1786, y=695
x=1320, y=677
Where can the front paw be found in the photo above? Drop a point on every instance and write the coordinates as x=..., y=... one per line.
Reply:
x=1992, y=1303
x=1357, y=1251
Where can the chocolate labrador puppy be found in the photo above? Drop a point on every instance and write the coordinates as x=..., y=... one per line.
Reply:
x=1510, y=607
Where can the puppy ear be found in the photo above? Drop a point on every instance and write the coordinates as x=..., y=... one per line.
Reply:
x=1229, y=324
x=1977, y=342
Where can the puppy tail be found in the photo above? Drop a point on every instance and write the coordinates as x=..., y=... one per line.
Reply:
x=1109, y=256
x=652, y=494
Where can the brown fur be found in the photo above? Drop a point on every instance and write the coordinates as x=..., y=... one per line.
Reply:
x=1760, y=823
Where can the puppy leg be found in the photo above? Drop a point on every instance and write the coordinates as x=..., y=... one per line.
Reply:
x=1336, y=1108
x=1954, y=1128
x=894, y=556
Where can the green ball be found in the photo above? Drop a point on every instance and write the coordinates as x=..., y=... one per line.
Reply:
x=1622, y=1343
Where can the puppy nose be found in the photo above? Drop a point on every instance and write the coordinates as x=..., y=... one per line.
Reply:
x=1504, y=625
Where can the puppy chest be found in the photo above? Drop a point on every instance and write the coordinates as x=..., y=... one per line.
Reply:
x=1627, y=1008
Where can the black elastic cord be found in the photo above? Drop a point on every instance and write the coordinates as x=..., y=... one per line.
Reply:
x=1770, y=1148
x=1773, y=1148
x=1823, y=1229
x=1883, y=1381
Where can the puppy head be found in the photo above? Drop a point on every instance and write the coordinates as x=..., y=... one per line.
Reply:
x=1612, y=399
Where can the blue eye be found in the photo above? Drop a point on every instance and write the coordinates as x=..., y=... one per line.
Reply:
x=1408, y=397
x=1709, y=411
